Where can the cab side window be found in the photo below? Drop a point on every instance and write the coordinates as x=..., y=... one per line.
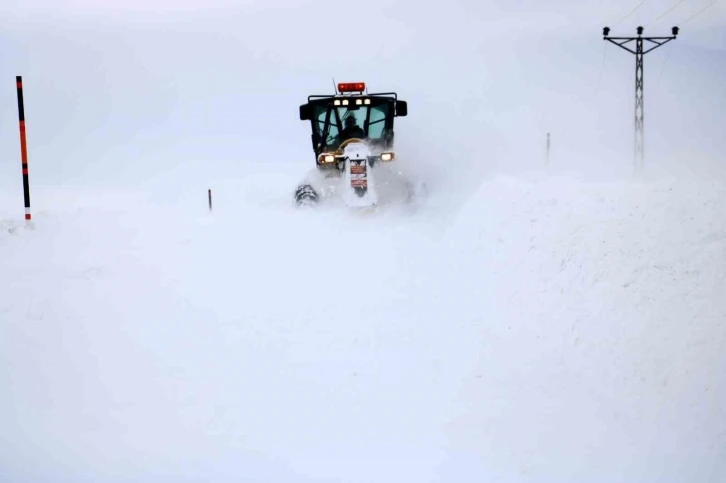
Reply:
x=377, y=121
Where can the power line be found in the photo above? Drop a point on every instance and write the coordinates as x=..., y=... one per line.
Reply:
x=666, y=12
x=662, y=68
x=700, y=12
x=631, y=13
x=602, y=68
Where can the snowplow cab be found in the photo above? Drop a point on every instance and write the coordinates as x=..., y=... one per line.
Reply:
x=352, y=115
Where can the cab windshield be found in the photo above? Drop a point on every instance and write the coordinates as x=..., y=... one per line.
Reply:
x=335, y=124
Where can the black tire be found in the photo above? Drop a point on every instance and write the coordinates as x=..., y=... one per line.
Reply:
x=305, y=195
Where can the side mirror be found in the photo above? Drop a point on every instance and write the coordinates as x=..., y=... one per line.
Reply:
x=401, y=108
x=305, y=112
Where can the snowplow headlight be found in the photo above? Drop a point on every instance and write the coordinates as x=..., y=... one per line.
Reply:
x=388, y=156
x=326, y=158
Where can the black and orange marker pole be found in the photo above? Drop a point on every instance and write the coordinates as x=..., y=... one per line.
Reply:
x=23, y=146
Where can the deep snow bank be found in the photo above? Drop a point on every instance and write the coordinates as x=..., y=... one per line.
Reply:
x=601, y=324
x=145, y=338
x=547, y=330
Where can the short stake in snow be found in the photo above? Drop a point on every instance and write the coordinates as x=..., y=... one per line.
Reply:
x=547, y=161
x=209, y=194
x=23, y=146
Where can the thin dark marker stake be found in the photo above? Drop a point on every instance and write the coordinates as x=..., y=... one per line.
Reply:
x=23, y=146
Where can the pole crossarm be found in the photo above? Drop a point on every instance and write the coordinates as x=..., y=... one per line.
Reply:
x=655, y=40
x=658, y=41
x=621, y=44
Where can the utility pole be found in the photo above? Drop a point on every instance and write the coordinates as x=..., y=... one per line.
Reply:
x=640, y=51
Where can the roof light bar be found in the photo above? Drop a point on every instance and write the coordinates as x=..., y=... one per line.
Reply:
x=351, y=87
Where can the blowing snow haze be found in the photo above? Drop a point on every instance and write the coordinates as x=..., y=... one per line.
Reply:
x=116, y=86
x=523, y=322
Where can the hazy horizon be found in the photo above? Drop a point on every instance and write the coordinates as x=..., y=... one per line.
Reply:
x=111, y=89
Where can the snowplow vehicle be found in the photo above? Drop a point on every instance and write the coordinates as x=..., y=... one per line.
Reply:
x=352, y=137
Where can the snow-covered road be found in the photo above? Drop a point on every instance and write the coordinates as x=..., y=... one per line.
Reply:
x=547, y=329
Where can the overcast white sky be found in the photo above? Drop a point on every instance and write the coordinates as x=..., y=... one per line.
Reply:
x=113, y=86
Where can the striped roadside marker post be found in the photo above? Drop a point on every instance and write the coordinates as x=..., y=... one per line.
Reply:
x=23, y=146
